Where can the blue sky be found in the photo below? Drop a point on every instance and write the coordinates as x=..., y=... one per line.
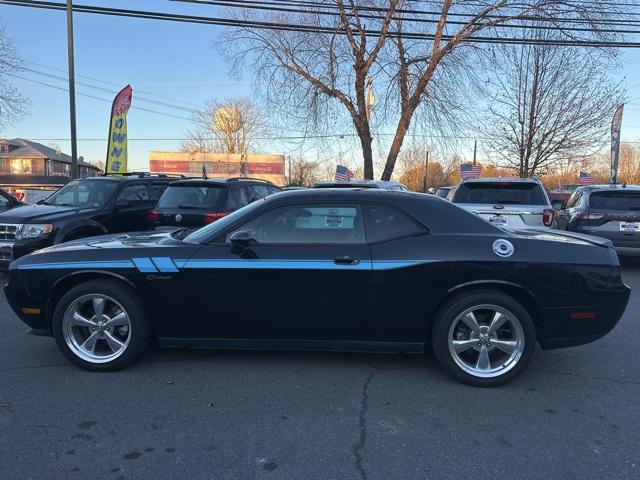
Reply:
x=162, y=58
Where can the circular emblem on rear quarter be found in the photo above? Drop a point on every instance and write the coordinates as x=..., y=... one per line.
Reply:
x=503, y=248
x=178, y=218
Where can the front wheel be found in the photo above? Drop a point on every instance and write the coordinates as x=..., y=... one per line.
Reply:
x=484, y=338
x=101, y=326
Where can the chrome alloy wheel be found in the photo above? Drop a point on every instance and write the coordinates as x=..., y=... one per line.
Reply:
x=96, y=328
x=486, y=341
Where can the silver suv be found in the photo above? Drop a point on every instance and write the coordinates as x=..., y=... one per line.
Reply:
x=607, y=211
x=507, y=202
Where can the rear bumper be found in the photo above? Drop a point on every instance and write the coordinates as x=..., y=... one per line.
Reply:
x=560, y=330
x=628, y=251
x=624, y=244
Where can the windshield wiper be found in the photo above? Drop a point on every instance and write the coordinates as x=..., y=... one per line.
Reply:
x=188, y=207
x=508, y=202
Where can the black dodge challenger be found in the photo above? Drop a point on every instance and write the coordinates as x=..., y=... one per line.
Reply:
x=343, y=269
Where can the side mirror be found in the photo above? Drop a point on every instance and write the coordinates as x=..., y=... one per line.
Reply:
x=241, y=238
x=558, y=205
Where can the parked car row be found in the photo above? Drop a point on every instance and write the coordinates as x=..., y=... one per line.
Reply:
x=112, y=204
x=611, y=212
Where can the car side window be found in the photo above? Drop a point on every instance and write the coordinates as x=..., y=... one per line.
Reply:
x=156, y=189
x=383, y=223
x=259, y=191
x=312, y=224
x=136, y=194
x=574, y=200
x=238, y=197
x=4, y=201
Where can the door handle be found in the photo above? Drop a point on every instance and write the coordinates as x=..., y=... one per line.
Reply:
x=346, y=260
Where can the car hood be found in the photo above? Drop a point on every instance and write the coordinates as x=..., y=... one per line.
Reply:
x=561, y=236
x=40, y=214
x=116, y=241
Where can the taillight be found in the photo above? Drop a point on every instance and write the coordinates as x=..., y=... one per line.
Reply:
x=154, y=217
x=547, y=216
x=212, y=217
x=590, y=216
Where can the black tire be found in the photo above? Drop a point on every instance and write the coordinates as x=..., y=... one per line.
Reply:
x=140, y=332
x=461, y=303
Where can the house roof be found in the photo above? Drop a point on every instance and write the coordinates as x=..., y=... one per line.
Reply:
x=28, y=149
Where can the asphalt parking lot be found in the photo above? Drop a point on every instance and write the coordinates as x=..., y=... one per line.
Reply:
x=242, y=415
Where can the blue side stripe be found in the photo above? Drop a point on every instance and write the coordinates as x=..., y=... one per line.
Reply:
x=395, y=264
x=78, y=265
x=145, y=265
x=164, y=264
x=275, y=264
x=169, y=265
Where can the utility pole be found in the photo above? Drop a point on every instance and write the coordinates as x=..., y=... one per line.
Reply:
x=289, y=181
x=426, y=172
x=475, y=149
x=72, y=91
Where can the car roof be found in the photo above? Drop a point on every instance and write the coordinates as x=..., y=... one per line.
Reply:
x=501, y=179
x=428, y=209
x=604, y=188
x=203, y=182
x=357, y=194
x=128, y=178
x=356, y=184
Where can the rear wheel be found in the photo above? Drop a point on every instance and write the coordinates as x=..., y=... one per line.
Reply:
x=484, y=338
x=101, y=326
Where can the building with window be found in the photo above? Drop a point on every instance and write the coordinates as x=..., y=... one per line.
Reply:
x=31, y=171
x=23, y=157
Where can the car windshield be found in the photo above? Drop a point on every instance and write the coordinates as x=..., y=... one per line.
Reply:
x=204, y=234
x=506, y=193
x=615, y=200
x=205, y=197
x=83, y=193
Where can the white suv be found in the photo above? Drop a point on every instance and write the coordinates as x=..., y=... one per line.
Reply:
x=507, y=202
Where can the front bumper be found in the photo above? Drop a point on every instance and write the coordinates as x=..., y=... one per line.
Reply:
x=32, y=311
x=13, y=250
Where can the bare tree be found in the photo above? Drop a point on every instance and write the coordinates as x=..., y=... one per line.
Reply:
x=232, y=126
x=321, y=73
x=547, y=104
x=303, y=173
x=12, y=103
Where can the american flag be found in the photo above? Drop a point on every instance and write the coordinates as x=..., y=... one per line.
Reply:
x=586, y=179
x=343, y=173
x=468, y=170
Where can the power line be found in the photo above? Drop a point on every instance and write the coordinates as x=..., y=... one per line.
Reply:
x=306, y=28
x=369, y=8
x=102, y=89
x=118, y=86
x=330, y=10
x=94, y=97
